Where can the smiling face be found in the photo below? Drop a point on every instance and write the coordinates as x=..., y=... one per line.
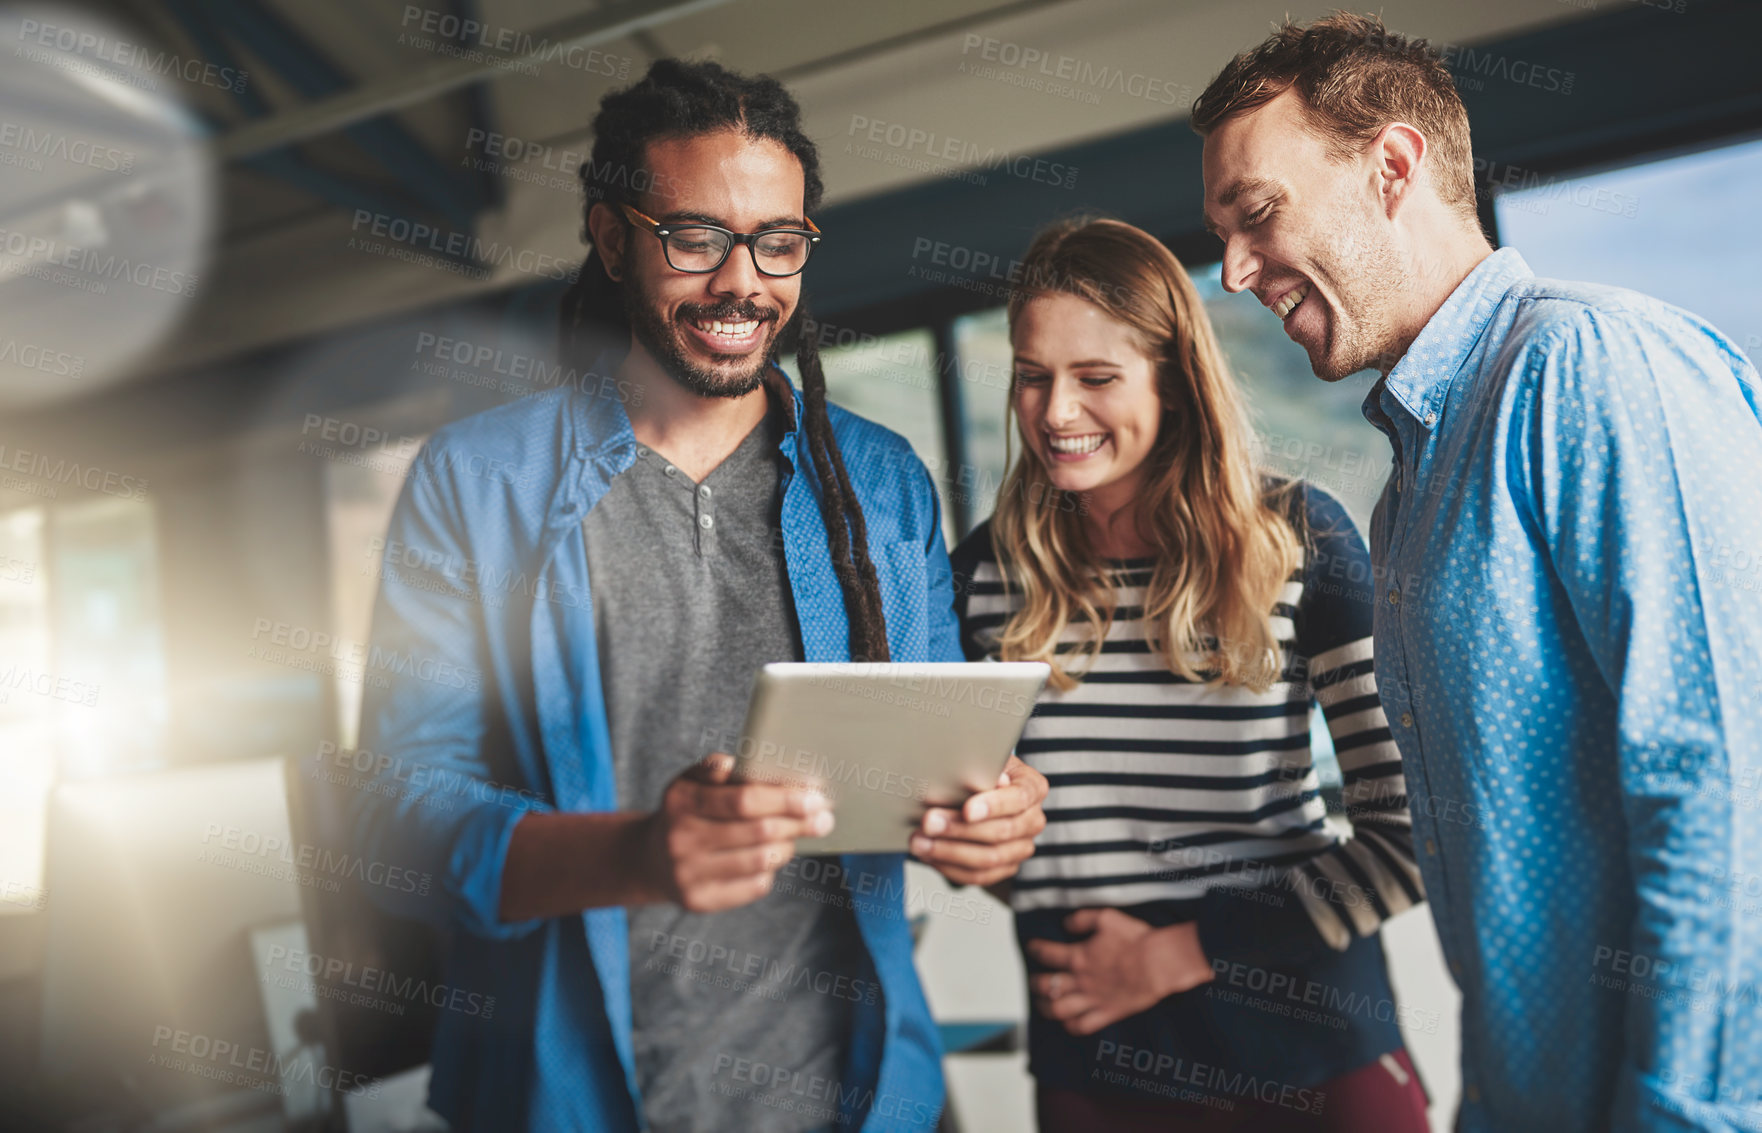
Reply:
x=1086, y=396
x=713, y=333
x=1305, y=232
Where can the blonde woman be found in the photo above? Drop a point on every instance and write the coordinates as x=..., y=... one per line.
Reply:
x=1201, y=942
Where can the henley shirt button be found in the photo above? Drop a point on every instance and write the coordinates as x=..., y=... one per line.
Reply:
x=1431, y=847
x=706, y=521
x=704, y=491
x=1394, y=597
x=1407, y=719
x=672, y=471
x=1431, y=418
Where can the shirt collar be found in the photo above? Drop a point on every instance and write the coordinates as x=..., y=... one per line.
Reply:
x=1420, y=382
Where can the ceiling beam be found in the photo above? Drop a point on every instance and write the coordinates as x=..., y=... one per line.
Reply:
x=282, y=165
x=423, y=83
x=477, y=106
x=309, y=71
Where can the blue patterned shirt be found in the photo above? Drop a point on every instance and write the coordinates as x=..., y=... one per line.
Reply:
x=1569, y=651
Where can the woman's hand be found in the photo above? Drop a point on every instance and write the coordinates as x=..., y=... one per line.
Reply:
x=992, y=834
x=1123, y=967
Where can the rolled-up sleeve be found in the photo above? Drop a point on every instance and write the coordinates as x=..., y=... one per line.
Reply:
x=433, y=805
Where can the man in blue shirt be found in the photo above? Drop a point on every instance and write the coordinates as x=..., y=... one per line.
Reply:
x=656, y=954
x=1566, y=645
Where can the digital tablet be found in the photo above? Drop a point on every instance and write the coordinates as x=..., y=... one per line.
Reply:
x=884, y=742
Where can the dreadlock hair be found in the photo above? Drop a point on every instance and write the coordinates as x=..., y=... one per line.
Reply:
x=680, y=99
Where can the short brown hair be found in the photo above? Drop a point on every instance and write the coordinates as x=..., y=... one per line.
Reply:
x=1354, y=77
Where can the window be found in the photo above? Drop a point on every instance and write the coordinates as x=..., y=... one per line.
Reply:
x=984, y=363
x=82, y=684
x=892, y=380
x=1684, y=229
x=105, y=630
x=1306, y=427
x=26, y=720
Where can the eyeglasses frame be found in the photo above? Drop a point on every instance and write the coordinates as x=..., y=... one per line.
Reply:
x=661, y=231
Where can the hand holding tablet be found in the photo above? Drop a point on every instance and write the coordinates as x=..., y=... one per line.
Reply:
x=987, y=840
x=716, y=844
x=904, y=750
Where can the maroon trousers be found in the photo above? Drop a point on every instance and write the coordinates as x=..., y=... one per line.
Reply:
x=1383, y=1096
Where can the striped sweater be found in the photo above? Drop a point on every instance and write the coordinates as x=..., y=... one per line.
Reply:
x=1203, y=799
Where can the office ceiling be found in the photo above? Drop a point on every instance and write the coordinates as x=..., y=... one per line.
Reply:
x=327, y=210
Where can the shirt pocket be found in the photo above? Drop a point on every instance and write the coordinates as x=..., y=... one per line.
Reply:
x=905, y=598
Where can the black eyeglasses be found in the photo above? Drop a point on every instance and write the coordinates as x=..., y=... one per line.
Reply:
x=701, y=248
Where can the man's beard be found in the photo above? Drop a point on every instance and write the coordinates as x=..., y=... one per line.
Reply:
x=663, y=341
x=1367, y=340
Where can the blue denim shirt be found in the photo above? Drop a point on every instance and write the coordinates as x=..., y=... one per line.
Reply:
x=1569, y=641
x=494, y=708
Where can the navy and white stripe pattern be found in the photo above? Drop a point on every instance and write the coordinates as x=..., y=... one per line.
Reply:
x=1163, y=789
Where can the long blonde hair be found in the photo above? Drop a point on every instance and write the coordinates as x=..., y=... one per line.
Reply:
x=1224, y=546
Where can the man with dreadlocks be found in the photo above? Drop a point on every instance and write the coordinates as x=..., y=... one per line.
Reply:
x=656, y=953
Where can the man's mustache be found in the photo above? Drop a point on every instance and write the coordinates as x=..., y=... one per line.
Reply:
x=744, y=311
